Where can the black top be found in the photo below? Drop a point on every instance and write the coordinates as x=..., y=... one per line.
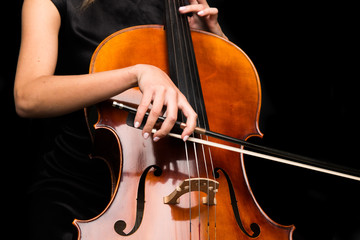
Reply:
x=68, y=183
x=83, y=30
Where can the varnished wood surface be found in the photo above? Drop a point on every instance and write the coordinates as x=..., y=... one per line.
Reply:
x=219, y=83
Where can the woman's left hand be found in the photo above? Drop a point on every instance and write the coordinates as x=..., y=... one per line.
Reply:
x=204, y=17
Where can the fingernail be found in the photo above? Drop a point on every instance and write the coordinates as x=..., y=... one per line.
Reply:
x=200, y=13
x=137, y=124
x=156, y=139
x=185, y=138
x=146, y=135
x=182, y=8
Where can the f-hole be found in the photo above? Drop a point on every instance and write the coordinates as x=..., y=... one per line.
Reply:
x=120, y=225
x=254, y=226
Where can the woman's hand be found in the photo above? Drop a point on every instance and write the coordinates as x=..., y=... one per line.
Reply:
x=204, y=17
x=158, y=90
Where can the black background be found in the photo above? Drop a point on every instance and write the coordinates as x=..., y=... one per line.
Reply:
x=306, y=56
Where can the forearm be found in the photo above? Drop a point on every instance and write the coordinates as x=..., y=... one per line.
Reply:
x=48, y=96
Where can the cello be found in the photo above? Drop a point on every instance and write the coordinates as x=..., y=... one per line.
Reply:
x=171, y=189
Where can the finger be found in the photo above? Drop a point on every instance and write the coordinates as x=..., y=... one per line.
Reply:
x=171, y=116
x=142, y=109
x=154, y=114
x=200, y=9
x=208, y=12
x=191, y=118
x=191, y=8
x=190, y=126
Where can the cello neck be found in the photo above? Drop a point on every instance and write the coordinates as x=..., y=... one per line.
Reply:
x=182, y=62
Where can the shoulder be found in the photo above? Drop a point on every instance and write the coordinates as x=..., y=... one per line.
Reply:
x=34, y=13
x=60, y=6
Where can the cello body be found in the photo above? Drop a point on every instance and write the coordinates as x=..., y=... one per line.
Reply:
x=171, y=189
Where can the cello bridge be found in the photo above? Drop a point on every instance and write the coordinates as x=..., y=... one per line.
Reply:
x=208, y=186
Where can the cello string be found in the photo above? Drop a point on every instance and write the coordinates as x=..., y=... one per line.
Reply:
x=189, y=177
x=185, y=90
x=186, y=68
x=213, y=172
x=180, y=22
x=207, y=191
x=196, y=90
x=198, y=190
x=171, y=37
x=190, y=93
x=183, y=49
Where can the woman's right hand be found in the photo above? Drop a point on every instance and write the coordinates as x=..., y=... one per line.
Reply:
x=158, y=90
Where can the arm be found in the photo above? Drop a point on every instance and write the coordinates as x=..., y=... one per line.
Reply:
x=39, y=93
